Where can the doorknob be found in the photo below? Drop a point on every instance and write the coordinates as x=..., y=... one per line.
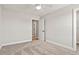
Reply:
x=43, y=30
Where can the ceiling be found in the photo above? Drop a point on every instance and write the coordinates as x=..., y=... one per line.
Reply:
x=30, y=8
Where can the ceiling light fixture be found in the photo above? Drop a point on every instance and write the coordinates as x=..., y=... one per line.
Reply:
x=38, y=7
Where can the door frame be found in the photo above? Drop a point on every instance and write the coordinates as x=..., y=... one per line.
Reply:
x=74, y=28
x=44, y=30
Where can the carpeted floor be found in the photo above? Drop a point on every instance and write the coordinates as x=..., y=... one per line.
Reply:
x=36, y=48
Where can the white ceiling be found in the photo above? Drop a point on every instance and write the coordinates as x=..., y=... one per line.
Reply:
x=30, y=8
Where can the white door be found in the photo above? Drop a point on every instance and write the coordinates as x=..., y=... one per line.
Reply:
x=42, y=29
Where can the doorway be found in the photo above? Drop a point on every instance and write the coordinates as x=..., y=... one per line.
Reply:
x=76, y=29
x=77, y=33
x=35, y=30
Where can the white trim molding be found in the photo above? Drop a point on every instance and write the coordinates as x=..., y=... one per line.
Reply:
x=61, y=45
x=75, y=28
x=15, y=43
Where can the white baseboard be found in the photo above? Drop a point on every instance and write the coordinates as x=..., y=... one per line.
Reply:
x=15, y=43
x=64, y=46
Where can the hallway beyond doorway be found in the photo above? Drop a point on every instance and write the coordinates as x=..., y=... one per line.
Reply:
x=35, y=29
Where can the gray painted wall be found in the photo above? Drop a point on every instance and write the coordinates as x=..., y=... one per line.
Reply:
x=59, y=26
x=16, y=26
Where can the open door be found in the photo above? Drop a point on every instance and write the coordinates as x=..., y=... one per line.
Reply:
x=42, y=29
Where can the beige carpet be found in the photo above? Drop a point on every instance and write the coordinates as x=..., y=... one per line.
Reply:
x=36, y=48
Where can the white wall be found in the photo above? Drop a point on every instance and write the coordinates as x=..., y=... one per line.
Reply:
x=59, y=27
x=17, y=26
x=0, y=24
